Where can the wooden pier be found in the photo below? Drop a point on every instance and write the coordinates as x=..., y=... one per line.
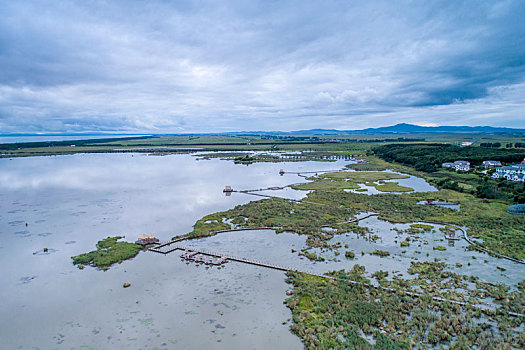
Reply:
x=213, y=258
x=268, y=196
x=366, y=216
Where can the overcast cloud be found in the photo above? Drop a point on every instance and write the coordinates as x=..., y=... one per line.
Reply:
x=199, y=66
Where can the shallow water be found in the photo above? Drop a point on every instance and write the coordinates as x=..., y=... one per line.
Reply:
x=473, y=262
x=268, y=247
x=447, y=205
x=416, y=183
x=71, y=202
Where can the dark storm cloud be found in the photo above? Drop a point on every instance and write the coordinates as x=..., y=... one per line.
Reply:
x=212, y=66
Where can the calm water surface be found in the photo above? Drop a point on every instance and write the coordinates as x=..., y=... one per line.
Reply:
x=71, y=202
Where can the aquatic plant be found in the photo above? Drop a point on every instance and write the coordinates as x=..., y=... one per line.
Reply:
x=109, y=251
x=331, y=314
x=349, y=254
x=381, y=253
x=393, y=187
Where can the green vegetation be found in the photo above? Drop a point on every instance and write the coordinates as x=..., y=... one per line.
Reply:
x=335, y=314
x=381, y=253
x=392, y=187
x=310, y=147
x=362, y=176
x=109, y=251
x=336, y=181
x=313, y=256
x=372, y=164
x=501, y=232
x=164, y=145
x=247, y=159
x=284, y=215
x=330, y=314
x=429, y=157
x=209, y=223
x=424, y=227
x=349, y=254
x=326, y=185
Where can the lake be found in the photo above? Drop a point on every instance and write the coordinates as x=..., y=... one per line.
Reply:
x=71, y=202
x=68, y=203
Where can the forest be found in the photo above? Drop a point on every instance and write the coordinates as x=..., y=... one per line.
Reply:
x=429, y=157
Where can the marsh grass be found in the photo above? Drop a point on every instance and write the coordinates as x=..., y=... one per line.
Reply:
x=393, y=187
x=335, y=314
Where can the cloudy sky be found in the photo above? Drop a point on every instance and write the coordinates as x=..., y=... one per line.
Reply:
x=197, y=66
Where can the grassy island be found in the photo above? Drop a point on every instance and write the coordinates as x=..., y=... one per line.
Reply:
x=393, y=187
x=109, y=251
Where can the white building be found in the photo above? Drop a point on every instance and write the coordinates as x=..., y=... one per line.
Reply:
x=514, y=172
x=491, y=164
x=458, y=165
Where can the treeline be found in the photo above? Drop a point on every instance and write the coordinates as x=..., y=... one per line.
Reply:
x=429, y=157
x=335, y=139
x=498, y=145
x=500, y=189
x=488, y=188
x=399, y=139
x=491, y=144
x=65, y=143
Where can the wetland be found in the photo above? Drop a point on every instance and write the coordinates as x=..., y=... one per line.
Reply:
x=68, y=203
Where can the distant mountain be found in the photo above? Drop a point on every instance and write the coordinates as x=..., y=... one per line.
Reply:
x=404, y=128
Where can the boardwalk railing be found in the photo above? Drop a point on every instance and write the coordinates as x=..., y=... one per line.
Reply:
x=474, y=244
x=368, y=285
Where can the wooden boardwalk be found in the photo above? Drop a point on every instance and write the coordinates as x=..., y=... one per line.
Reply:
x=366, y=216
x=268, y=196
x=218, y=255
x=190, y=253
x=475, y=244
x=193, y=254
